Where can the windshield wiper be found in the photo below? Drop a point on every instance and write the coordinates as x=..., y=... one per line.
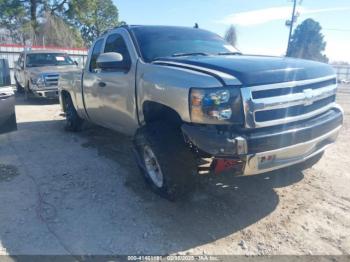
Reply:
x=178, y=55
x=230, y=53
x=189, y=54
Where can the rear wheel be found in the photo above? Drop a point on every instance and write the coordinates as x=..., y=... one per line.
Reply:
x=165, y=160
x=73, y=121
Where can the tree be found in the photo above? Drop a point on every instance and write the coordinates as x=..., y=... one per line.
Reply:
x=54, y=31
x=231, y=35
x=308, y=42
x=74, y=19
x=13, y=17
x=93, y=17
x=22, y=17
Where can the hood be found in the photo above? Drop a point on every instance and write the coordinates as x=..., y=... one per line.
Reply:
x=49, y=69
x=257, y=70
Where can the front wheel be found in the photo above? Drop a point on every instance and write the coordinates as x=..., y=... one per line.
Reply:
x=165, y=160
x=19, y=88
x=27, y=92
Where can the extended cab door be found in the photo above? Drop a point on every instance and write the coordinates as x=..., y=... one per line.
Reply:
x=7, y=100
x=110, y=94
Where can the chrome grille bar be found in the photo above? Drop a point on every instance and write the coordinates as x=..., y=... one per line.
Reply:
x=51, y=80
x=304, y=97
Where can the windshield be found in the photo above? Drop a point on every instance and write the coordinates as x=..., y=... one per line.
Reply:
x=156, y=42
x=48, y=59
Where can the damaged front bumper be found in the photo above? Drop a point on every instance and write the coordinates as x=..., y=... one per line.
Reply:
x=267, y=149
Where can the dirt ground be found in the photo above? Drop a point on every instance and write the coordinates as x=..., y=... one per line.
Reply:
x=65, y=193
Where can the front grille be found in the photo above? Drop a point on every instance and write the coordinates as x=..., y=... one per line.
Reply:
x=274, y=114
x=275, y=104
x=51, y=80
x=291, y=90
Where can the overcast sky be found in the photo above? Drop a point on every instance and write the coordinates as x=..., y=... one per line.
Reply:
x=260, y=24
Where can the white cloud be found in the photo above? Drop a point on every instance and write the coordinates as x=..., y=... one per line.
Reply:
x=265, y=15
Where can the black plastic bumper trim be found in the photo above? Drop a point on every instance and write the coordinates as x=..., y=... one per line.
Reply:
x=266, y=140
x=210, y=140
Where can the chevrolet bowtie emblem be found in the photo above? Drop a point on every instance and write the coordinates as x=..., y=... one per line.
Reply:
x=309, y=97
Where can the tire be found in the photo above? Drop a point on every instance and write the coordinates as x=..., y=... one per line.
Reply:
x=176, y=163
x=19, y=88
x=73, y=122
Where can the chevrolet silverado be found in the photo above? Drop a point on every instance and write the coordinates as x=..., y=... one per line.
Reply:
x=184, y=93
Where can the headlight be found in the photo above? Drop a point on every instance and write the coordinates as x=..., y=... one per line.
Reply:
x=216, y=105
x=39, y=80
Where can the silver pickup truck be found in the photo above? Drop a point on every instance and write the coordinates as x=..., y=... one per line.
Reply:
x=37, y=72
x=184, y=93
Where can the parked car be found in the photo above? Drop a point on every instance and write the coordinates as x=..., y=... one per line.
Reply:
x=184, y=93
x=7, y=100
x=37, y=72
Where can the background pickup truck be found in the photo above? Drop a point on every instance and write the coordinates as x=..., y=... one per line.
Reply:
x=37, y=72
x=184, y=93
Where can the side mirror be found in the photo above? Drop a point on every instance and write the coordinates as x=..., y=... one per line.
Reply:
x=110, y=61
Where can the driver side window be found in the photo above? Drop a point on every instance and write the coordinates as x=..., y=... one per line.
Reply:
x=96, y=51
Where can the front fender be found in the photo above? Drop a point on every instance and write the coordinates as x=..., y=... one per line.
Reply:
x=169, y=86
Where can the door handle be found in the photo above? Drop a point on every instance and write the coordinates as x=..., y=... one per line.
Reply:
x=102, y=84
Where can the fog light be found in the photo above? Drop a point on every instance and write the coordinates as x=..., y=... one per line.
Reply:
x=223, y=114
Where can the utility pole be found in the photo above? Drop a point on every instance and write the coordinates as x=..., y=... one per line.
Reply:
x=290, y=23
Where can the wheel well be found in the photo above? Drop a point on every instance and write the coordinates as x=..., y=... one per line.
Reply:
x=154, y=112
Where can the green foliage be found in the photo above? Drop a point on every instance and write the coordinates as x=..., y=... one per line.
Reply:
x=92, y=17
x=56, y=21
x=13, y=17
x=11, y=13
x=231, y=35
x=308, y=42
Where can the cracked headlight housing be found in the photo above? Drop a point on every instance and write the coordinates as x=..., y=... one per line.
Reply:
x=216, y=105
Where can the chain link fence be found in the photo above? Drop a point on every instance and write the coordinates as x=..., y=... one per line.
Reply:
x=343, y=72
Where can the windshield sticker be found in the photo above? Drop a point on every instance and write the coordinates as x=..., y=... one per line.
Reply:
x=60, y=58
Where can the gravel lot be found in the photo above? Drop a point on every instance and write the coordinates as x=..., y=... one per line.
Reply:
x=64, y=193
